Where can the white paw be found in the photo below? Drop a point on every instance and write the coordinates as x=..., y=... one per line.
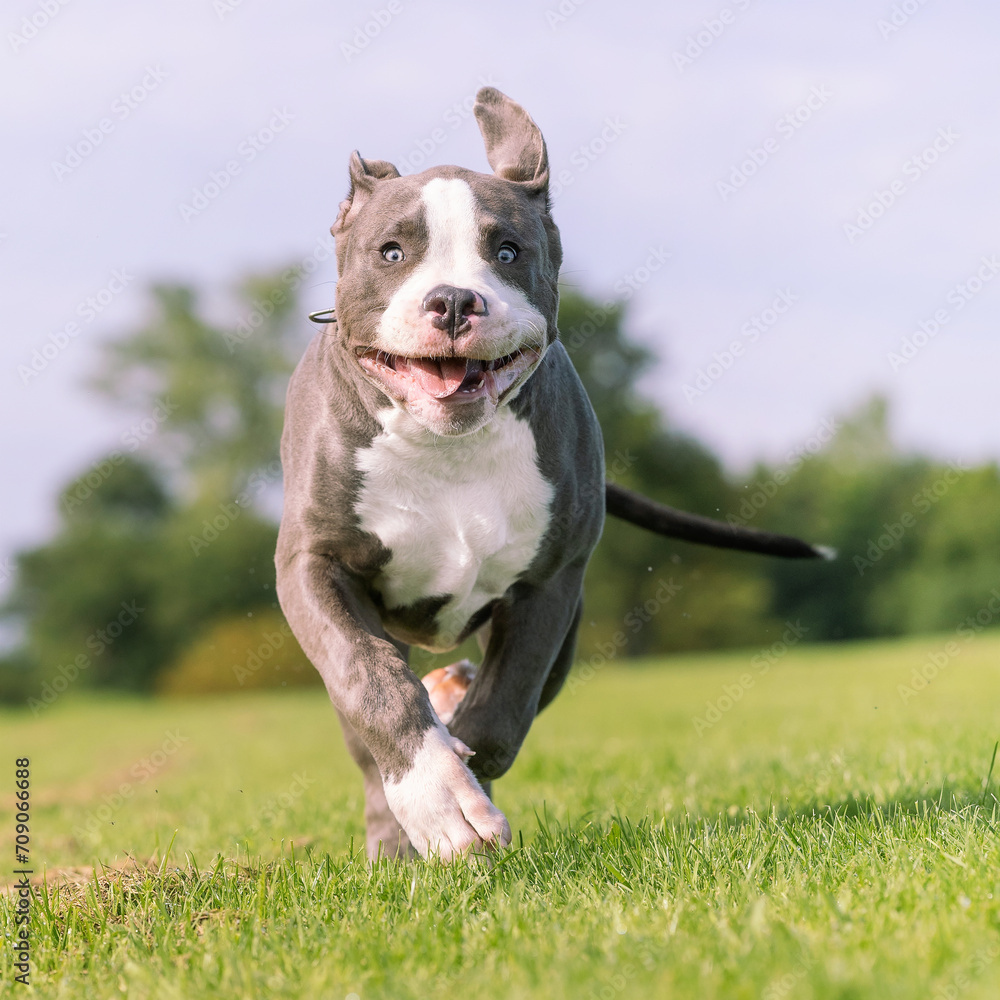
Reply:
x=440, y=804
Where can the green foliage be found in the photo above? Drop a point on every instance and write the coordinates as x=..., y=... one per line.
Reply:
x=185, y=532
x=86, y=596
x=918, y=541
x=221, y=389
x=954, y=571
x=244, y=652
x=132, y=578
x=156, y=549
x=646, y=594
x=208, y=573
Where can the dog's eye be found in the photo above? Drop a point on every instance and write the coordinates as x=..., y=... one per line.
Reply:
x=507, y=253
x=393, y=253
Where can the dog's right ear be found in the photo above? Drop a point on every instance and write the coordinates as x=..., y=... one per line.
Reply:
x=365, y=174
x=514, y=144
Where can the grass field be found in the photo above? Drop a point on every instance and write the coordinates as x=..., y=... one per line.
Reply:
x=815, y=835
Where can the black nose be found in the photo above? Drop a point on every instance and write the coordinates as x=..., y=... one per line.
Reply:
x=451, y=308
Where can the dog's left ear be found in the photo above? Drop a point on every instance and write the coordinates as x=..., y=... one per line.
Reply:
x=514, y=143
x=365, y=174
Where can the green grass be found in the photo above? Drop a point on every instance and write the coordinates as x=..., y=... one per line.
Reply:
x=823, y=839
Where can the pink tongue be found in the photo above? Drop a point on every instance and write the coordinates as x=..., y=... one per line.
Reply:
x=438, y=377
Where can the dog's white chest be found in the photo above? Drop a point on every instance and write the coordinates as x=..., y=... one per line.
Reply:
x=462, y=516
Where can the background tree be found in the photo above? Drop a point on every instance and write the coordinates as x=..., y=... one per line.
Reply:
x=88, y=592
x=723, y=598
x=918, y=540
x=168, y=542
x=221, y=389
x=186, y=534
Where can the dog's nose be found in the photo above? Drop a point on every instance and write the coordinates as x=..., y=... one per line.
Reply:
x=451, y=307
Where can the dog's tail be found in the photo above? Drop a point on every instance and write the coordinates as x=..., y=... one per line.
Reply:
x=657, y=517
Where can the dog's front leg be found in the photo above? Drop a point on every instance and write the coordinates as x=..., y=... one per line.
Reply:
x=427, y=784
x=384, y=837
x=531, y=644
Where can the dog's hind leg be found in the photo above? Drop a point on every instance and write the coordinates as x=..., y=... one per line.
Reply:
x=447, y=686
x=385, y=838
x=561, y=667
x=529, y=653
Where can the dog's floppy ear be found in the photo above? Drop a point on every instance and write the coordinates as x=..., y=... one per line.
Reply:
x=365, y=174
x=514, y=144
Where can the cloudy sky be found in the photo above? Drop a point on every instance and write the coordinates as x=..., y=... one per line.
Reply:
x=788, y=193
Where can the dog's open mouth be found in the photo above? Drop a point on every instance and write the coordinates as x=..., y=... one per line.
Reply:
x=448, y=380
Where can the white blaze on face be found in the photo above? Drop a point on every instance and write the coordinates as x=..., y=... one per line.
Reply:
x=453, y=258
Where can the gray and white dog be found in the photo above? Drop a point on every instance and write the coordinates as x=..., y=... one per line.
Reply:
x=444, y=477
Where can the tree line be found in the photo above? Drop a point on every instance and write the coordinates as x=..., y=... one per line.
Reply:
x=160, y=575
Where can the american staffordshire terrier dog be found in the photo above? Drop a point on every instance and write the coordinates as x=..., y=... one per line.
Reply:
x=444, y=477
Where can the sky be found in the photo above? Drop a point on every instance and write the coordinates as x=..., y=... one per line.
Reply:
x=799, y=201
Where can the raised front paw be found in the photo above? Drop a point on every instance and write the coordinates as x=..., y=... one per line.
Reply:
x=441, y=805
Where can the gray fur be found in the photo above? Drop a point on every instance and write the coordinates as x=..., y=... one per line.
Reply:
x=329, y=567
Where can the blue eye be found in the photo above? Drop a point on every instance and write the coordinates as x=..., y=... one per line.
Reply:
x=507, y=253
x=393, y=253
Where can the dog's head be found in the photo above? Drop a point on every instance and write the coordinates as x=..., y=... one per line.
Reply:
x=447, y=295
